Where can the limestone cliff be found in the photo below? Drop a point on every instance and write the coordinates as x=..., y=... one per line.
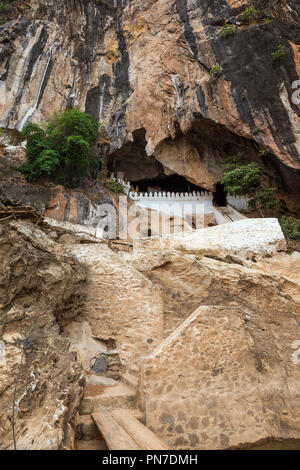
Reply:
x=41, y=289
x=145, y=70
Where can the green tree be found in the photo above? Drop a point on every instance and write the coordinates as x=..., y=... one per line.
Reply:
x=244, y=179
x=62, y=150
x=290, y=227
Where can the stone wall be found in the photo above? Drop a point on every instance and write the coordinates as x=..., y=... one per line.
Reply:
x=215, y=383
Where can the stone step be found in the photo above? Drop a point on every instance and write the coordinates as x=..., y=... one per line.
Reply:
x=135, y=413
x=87, y=429
x=130, y=380
x=96, y=444
x=115, y=436
x=120, y=395
x=142, y=436
x=95, y=384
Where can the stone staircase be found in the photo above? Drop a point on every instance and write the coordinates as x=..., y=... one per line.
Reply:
x=122, y=327
x=192, y=380
x=109, y=418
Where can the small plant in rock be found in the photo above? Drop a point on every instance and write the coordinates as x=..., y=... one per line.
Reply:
x=290, y=227
x=216, y=70
x=4, y=7
x=114, y=186
x=250, y=14
x=4, y=10
x=279, y=52
x=260, y=151
x=227, y=30
x=244, y=179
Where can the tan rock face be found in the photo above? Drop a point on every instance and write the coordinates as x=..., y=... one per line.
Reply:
x=143, y=69
x=41, y=290
x=225, y=375
x=286, y=267
x=122, y=305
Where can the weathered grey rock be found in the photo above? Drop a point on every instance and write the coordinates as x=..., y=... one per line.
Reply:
x=100, y=365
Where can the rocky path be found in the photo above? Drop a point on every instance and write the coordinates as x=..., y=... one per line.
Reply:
x=124, y=313
x=164, y=299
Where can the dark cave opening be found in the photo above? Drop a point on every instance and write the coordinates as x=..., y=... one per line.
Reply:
x=172, y=183
x=178, y=184
x=147, y=175
x=220, y=196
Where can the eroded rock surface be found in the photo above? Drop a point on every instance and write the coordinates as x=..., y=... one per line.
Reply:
x=144, y=70
x=41, y=289
x=123, y=307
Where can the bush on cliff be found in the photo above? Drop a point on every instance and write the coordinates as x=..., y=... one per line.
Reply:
x=291, y=228
x=62, y=150
x=244, y=179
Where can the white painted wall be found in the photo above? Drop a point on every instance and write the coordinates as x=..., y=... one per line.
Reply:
x=239, y=202
x=175, y=204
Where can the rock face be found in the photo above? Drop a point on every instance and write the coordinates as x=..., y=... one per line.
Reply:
x=226, y=373
x=212, y=337
x=144, y=69
x=213, y=325
x=82, y=206
x=122, y=305
x=41, y=289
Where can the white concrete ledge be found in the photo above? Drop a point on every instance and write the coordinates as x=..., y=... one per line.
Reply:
x=243, y=237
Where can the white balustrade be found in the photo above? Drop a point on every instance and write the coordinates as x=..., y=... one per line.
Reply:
x=164, y=196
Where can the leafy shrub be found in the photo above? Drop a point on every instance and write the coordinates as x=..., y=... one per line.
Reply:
x=4, y=11
x=263, y=198
x=4, y=7
x=279, y=52
x=114, y=185
x=240, y=178
x=250, y=14
x=243, y=179
x=62, y=149
x=290, y=227
x=227, y=30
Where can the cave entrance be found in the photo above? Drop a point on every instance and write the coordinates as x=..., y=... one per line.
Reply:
x=172, y=183
x=145, y=172
x=220, y=196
